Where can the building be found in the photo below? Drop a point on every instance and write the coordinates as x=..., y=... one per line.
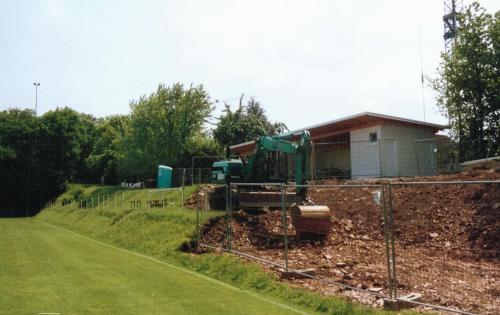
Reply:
x=368, y=145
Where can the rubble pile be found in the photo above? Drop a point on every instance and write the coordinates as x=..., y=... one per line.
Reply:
x=446, y=241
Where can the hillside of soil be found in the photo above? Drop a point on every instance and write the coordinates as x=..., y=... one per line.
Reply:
x=446, y=239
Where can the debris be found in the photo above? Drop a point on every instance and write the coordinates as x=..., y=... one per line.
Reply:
x=375, y=289
x=348, y=276
x=461, y=218
x=297, y=274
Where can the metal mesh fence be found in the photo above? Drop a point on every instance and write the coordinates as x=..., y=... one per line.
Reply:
x=201, y=176
x=376, y=158
x=213, y=234
x=326, y=246
x=388, y=157
x=341, y=242
x=134, y=199
x=417, y=244
x=180, y=177
x=425, y=244
x=447, y=242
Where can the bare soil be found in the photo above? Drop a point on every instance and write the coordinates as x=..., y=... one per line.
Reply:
x=447, y=241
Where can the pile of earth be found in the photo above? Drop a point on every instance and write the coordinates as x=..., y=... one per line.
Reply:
x=446, y=237
x=457, y=216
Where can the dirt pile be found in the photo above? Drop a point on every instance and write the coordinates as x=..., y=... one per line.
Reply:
x=463, y=217
x=447, y=240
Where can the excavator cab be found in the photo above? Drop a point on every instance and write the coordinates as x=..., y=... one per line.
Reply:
x=227, y=170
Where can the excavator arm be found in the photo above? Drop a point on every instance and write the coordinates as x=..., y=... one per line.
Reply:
x=285, y=143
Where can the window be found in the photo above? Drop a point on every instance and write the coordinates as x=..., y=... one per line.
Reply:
x=373, y=137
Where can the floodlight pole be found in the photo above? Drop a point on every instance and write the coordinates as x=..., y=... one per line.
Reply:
x=36, y=84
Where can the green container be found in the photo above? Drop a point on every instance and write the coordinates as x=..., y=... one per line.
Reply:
x=164, y=177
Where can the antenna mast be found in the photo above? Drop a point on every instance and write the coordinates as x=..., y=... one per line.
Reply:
x=451, y=9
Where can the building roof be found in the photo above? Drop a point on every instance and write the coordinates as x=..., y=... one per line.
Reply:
x=345, y=124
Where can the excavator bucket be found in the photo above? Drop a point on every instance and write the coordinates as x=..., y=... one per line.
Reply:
x=311, y=222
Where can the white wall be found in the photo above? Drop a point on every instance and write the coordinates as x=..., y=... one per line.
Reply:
x=389, y=152
x=365, y=157
x=412, y=159
x=398, y=154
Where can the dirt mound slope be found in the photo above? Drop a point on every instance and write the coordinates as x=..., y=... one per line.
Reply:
x=446, y=237
x=462, y=216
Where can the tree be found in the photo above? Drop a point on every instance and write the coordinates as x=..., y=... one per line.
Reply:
x=70, y=137
x=102, y=162
x=163, y=128
x=246, y=123
x=468, y=84
x=18, y=159
x=39, y=155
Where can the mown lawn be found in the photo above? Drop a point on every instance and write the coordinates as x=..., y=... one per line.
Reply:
x=48, y=270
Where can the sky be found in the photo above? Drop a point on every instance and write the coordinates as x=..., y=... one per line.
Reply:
x=306, y=62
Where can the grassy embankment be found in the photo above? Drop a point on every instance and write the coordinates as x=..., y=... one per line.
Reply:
x=160, y=232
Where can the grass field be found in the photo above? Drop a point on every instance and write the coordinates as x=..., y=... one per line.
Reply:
x=48, y=270
x=156, y=233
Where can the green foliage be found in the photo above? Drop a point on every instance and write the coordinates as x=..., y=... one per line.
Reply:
x=163, y=127
x=468, y=84
x=19, y=154
x=69, y=137
x=102, y=162
x=246, y=123
x=39, y=155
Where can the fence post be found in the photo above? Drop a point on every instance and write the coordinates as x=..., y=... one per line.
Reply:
x=182, y=189
x=199, y=176
x=386, y=237
x=198, y=198
x=380, y=157
x=192, y=171
x=228, y=216
x=98, y=201
x=197, y=221
x=393, y=251
x=123, y=200
x=92, y=205
x=285, y=223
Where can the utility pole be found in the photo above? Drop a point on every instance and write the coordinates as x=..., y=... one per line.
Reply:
x=36, y=84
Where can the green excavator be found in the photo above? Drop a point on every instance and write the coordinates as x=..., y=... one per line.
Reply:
x=269, y=164
x=261, y=167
